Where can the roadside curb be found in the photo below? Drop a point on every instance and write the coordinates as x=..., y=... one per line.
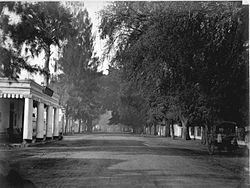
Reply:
x=40, y=143
x=25, y=144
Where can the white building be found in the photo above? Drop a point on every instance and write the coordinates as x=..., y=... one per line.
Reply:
x=28, y=111
x=194, y=132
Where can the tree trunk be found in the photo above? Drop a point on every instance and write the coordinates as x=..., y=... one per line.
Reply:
x=85, y=126
x=89, y=125
x=67, y=124
x=70, y=125
x=204, y=135
x=46, y=67
x=185, y=132
x=79, y=128
x=172, y=129
x=167, y=129
x=155, y=133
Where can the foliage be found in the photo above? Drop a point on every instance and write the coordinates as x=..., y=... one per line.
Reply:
x=110, y=89
x=78, y=84
x=126, y=104
x=11, y=64
x=189, y=60
x=41, y=25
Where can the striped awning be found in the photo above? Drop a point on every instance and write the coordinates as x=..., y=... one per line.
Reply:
x=11, y=95
x=29, y=89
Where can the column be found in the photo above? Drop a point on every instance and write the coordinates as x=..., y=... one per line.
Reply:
x=27, y=123
x=62, y=124
x=40, y=121
x=49, y=122
x=56, y=123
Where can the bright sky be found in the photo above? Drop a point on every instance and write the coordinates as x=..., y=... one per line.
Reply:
x=92, y=7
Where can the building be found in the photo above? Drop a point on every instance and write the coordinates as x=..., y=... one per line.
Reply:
x=28, y=111
x=195, y=132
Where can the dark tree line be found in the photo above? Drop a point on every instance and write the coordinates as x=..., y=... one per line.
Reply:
x=187, y=61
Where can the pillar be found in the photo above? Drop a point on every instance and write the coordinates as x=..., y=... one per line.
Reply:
x=27, y=123
x=56, y=123
x=40, y=121
x=49, y=122
x=63, y=124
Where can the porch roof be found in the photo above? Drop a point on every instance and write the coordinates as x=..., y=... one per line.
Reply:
x=26, y=89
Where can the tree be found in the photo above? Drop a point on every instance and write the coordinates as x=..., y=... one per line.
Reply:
x=119, y=96
x=182, y=53
x=110, y=85
x=132, y=109
x=42, y=25
x=80, y=75
x=11, y=64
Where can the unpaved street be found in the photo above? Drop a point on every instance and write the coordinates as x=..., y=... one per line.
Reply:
x=110, y=160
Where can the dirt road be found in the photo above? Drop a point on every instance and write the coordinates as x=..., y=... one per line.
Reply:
x=109, y=160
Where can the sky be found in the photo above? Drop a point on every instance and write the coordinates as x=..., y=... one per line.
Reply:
x=92, y=7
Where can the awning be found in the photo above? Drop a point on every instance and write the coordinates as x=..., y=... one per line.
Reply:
x=11, y=89
x=11, y=95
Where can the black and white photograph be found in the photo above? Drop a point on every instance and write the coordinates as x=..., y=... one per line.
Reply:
x=124, y=94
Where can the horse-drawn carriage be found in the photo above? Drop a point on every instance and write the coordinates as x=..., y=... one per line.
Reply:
x=222, y=137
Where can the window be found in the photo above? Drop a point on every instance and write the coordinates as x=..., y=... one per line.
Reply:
x=192, y=131
x=198, y=131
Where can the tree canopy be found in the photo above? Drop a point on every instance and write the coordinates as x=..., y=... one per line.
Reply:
x=40, y=25
x=78, y=83
x=189, y=59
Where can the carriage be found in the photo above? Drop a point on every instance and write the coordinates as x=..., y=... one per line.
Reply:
x=222, y=137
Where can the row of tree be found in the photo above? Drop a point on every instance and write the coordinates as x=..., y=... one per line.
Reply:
x=178, y=61
x=78, y=84
x=172, y=61
x=40, y=27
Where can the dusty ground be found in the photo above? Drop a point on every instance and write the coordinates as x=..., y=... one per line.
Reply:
x=107, y=160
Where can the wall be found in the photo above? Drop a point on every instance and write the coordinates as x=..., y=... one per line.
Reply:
x=195, y=133
x=177, y=130
x=5, y=113
x=163, y=130
x=19, y=106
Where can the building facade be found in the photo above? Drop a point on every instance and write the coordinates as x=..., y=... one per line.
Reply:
x=28, y=111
